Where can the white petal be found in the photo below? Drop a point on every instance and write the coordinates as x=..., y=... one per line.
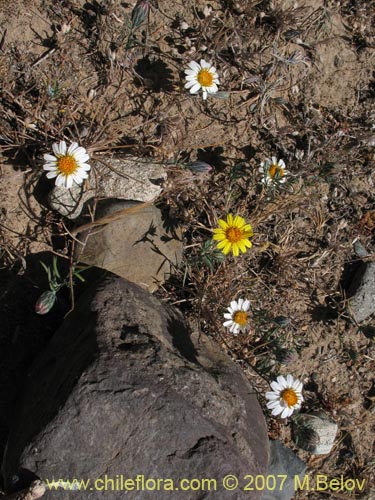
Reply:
x=74, y=146
x=49, y=167
x=194, y=66
x=297, y=385
x=286, y=413
x=69, y=181
x=228, y=324
x=240, y=302
x=205, y=64
x=272, y=396
x=273, y=404
x=77, y=178
x=276, y=387
x=282, y=164
x=277, y=410
x=281, y=380
x=191, y=84
x=289, y=380
x=273, y=160
x=60, y=180
x=227, y=316
x=85, y=166
x=79, y=151
x=204, y=94
x=246, y=305
x=62, y=147
x=191, y=72
x=48, y=157
x=83, y=159
x=51, y=175
x=213, y=88
x=235, y=328
x=234, y=306
x=191, y=78
x=56, y=148
x=195, y=88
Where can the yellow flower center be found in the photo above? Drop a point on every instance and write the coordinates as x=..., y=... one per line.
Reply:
x=67, y=165
x=240, y=317
x=289, y=396
x=275, y=169
x=205, y=78
x=233, y=234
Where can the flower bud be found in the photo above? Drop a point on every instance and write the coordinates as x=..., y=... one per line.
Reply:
x=200, y=167
x=140, y=13
x=45, y=302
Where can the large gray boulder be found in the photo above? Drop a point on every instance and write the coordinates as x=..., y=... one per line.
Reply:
x=123, y=390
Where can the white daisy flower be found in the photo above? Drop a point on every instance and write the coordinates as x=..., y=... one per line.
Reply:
x=201, y=76
x=238, y=316
x=273, y=170
x=67, y=164
x=285, y=397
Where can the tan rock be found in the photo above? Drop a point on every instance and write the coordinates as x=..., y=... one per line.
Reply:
x=134, y=245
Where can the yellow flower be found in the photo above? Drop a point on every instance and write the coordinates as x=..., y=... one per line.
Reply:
x=233, y=235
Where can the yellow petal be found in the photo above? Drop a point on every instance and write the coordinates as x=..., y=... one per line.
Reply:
x=230, y=219
x=222, y=224
x=247, y=243
x=227, y=248
x=247, y=228
x=235, y=249
x=242, y=245
x=222, y=244
x=219, y=236
x=239, y=221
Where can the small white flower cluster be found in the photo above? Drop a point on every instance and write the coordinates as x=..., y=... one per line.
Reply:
x=286, y=395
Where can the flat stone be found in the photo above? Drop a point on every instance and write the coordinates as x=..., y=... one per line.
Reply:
x=128, y=178
x=124, y=390
x=285, y=463
x=136, y=247
x=315, y=433
x=362, y=303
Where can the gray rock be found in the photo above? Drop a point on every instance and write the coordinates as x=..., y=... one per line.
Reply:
x=315, y=432
x=128, y=178
x=283, y=462
x=123, y=390
x=362, y=303
x=135, y=246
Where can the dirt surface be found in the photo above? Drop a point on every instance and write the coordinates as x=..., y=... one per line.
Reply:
x=301, y=86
